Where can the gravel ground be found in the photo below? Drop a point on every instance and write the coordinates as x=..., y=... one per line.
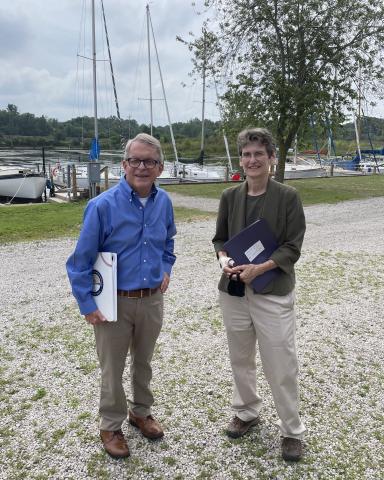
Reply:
x=49, y=378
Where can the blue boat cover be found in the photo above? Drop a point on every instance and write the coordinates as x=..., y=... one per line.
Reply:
x=94, y=153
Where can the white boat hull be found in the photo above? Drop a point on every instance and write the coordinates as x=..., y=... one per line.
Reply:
x=21, y=184
x=205, y=173
x=301, y=171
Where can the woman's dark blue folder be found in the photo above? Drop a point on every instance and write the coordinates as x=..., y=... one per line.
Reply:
x=255, y=244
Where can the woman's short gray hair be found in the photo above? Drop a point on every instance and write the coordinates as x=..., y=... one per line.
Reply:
x=261, y=135
x=148, y=140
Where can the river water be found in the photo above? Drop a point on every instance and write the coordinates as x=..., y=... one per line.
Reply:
x=33, y=158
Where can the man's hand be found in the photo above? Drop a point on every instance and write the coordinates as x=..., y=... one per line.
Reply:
x=95, y=318
x=164, y=283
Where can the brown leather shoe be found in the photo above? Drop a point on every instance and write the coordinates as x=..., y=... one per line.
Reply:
x=237, y=427
x=148, y=426
x=292, y=449
x=115, y=443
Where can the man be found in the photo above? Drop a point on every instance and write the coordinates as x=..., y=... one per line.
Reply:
x=135, y=220
x=267, y=317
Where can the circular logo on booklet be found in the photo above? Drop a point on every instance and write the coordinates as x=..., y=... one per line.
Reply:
x=97, y=283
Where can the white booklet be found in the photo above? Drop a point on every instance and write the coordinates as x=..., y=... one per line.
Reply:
x=104, y=284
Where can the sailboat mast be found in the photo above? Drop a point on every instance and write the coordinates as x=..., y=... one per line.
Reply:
x=357, y=136
x=202, y=119
x=224, y=135
x=165, y=97
x=315, y=139
x=359, y=98
x=149, y=72
x=202, y=145
x=94, y=72
x=110, y=63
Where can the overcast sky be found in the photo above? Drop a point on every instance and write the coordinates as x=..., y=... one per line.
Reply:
x=41, y=73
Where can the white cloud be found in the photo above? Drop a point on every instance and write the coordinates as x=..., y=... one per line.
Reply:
x=39, y=40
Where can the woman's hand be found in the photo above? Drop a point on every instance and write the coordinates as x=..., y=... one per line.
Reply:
x=248, y=272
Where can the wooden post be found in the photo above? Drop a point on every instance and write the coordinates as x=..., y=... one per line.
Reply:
x=45, y=175
x=74, y=183
x=331, y=171
x=227, y=173
x=69, y=182
x=52, y=186
x=106, y=178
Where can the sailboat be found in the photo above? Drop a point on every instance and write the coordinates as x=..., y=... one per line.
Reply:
x=21, y=183
x=88, y=174
x=302, y=167
x=169, y=173
x=368, y=160
x=200, y=171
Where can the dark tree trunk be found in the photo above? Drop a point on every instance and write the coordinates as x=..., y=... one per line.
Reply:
x=280, y=168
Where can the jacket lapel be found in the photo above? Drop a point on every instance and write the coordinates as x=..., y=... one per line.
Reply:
x=238, y=218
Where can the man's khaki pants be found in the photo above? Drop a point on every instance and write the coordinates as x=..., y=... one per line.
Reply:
x=269, y=320
x=138, y=325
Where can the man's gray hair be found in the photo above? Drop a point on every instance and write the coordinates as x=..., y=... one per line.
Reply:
x=148, y=140
x=261, y=135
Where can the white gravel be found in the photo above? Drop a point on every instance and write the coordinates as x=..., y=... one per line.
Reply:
x=49, y=378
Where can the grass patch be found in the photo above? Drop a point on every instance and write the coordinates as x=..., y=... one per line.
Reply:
x=45, y=221
x=171, y=461
x=312, y=190
x=339, y=189
x=183, y=214
x=40, y=393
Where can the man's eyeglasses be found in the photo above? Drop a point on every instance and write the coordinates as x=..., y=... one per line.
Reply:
x=147, y=162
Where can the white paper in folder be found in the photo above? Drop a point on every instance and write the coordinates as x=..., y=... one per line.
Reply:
x=104, y=284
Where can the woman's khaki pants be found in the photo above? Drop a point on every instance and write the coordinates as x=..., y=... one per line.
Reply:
x=270, y=321
x=138, y=325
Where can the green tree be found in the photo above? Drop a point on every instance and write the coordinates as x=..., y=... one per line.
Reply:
x=289, y=59
x=11, y=108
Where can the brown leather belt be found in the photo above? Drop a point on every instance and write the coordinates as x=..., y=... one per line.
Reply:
x=142, y=292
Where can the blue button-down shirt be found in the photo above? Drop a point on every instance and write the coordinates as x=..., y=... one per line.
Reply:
x=142, y=237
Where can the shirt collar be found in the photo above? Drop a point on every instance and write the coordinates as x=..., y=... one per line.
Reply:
x=128, y=190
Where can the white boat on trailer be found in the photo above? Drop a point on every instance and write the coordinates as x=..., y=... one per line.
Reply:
x=21, y=183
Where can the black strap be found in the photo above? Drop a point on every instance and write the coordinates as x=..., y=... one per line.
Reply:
x=237, y=276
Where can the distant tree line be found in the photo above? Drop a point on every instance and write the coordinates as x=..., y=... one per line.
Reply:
x=27, y=130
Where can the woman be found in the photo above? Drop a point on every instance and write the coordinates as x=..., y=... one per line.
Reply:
x=267, y=317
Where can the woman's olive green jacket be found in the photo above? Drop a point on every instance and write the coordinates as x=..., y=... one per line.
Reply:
x=284, y=213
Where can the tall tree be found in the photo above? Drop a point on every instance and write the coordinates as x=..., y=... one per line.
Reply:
x=285, y=60
x=11, y=108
